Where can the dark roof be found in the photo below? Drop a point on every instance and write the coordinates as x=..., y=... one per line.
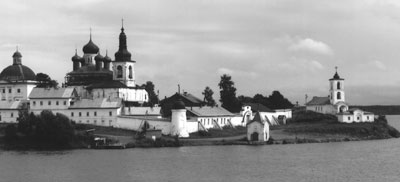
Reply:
x=319, y=101
x=17, y=72
x=257, y=118
x=258, y=107
x=98, y=103
x=179, y=105
x=187, y=98
x=209, y=111
x=106, y=58
x=98, y=57
x=107, y=84
x=123, y=55
x=90, y=48
x=191, y=98
x=76, y=57
x=336, y=77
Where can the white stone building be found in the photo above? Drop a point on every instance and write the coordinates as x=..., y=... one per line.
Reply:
x=258, y=129
x=335, y=104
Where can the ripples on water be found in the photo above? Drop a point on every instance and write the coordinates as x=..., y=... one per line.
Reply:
x=347, y=161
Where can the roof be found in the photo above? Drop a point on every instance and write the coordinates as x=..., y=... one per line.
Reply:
x=7, y=105
x=336, y=77
x=190, y=97
x=107, y=84
x=209, y=111
x=258, y=107
x=90, y=69
x=319, y=101
x=17, y=72
x=178, y=105
x=99, y=103
x=257, y=118
x=42, y=93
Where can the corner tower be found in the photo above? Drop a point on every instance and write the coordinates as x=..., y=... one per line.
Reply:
x=336, y=89
x=123, y=66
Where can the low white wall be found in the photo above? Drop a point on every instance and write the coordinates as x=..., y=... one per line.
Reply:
x=133, y=123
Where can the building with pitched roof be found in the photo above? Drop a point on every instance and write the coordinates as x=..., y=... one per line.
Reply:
x=258, y=129
x=335, y=104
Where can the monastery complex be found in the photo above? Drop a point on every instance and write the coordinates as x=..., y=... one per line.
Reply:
x=102, y=91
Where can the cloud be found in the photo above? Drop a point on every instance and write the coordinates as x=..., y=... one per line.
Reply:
x=379, y=65
x=222, y=71
x=310, y=45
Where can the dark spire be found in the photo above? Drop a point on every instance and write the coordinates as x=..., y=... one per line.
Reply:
x=336, y=76
x=122, y=54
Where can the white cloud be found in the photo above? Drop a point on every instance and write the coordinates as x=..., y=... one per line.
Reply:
x=222, y=71
x=378, y=64
x=311, y=45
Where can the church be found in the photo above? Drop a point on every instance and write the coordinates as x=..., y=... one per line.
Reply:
x=335, y=104
x=95, y=76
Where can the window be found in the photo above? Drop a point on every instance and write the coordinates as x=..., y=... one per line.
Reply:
x=349, y=118
x=368, y=117
x=65, y=103
x=41, y=103
x=12, y=114
x=72, y=114
x=358, y=118
x=80, y=114
x=9, y=90
x=57, y=103
x=87, y=121
x=95, y=113
x=80, y=121
x=103, y=121
x=4, y=91
x=49, y=103
x=338, y=85
x=87, y=113
x=130, y=72
x=339, y=96
x=119, y=71
x=110, y=113
x=19, y=90
x=34, y=103
x=95, y=121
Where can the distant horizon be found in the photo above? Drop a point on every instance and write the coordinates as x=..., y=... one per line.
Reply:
x=290, y=46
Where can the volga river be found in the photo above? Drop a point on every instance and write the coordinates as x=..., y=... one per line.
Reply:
x=347, y=161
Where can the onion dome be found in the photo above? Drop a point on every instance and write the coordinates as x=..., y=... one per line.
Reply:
x=179, y=105
x=99, y=57
x=17, y=54
x=17, y=71
x=76, y=58
x=106, y=58
x=90, y=47
x=122, y=55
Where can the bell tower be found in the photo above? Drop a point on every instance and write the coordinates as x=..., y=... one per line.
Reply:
x=123, y=66
x=336, y=89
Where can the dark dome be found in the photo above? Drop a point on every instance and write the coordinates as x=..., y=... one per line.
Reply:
x=107, y=59
x=99, y=57
x=17, y=54
x=17, y=73
x=76, y=58
x=179, y=105
x=90, y=48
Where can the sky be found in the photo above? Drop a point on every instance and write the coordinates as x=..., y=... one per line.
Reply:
x=291, y=46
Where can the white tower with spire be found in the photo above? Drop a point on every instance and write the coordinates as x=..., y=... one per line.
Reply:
x=123, y=66
x=336, y=89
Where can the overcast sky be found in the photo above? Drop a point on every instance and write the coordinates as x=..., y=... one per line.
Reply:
x=265, y=45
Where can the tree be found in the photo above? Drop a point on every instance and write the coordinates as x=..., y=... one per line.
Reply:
x=228, y=94
x=278, y=101
x=45, y=81
x=208, y=97
x=153, y=97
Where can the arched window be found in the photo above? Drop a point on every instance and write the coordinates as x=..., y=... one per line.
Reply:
x=130, y=72
x=339, y=96
x=338, y=85
x=119, y=72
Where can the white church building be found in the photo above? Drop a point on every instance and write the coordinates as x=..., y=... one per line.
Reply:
x=335, y=104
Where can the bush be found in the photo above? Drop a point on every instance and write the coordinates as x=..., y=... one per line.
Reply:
x=311, y=117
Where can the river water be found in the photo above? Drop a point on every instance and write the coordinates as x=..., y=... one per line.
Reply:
x=375, y=160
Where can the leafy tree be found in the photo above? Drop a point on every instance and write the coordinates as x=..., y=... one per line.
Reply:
x=244, y=99
x=208, y=97
x=278, y=101
x=44, y=81
x=228, y=94
x=153, y=97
